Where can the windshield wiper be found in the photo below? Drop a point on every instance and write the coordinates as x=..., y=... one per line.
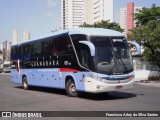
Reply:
x=116, y=61
x=123, y=64
x=121, y=61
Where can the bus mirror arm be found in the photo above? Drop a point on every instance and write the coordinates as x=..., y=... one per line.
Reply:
x=90, y=45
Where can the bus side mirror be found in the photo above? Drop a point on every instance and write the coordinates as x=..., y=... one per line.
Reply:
x=90, y=45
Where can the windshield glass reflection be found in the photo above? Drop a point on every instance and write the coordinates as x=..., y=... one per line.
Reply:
x=112, y=55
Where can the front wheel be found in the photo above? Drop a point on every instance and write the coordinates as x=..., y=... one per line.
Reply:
x=71, y=88
x=25, y=83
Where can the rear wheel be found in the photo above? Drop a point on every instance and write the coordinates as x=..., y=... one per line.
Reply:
x=71, y=88
x=25, y=83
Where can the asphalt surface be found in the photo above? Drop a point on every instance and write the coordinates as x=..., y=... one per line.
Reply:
x=144, y=97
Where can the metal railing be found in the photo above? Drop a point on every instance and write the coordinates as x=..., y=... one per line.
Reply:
x=145, y=66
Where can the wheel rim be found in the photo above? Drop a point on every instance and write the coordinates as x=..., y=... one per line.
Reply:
x=25, y=84
x=72, y=88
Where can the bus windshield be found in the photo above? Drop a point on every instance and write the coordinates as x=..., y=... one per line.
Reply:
x=112, y=55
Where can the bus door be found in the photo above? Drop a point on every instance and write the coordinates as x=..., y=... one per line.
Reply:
x=85, y=61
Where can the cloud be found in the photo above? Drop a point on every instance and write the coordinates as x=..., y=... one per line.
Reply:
x=51, y=3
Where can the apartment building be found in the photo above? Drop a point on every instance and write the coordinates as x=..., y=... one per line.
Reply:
x=77, y=12
x=127, y=21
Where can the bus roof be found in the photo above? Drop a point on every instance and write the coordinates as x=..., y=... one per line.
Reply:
x=82, y=30
x=94, y=31
x=87, y=31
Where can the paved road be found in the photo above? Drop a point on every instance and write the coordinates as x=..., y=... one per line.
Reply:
x=14, y=98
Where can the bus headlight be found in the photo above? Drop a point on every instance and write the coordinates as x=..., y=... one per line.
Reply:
x=95, y=77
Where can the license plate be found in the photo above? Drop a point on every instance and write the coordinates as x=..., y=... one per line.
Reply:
x=119, y=87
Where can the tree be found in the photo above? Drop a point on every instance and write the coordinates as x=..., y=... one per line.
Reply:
x=147, y=14
x=147, y=33
x=104, y=24
x=149, y=36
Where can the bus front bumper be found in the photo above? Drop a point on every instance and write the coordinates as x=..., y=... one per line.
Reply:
x=95, y=86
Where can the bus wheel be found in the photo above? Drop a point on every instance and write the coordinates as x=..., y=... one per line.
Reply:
x=71, y=88
x=25, y=83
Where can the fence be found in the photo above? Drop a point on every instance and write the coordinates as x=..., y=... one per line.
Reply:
x=145, y=66
x=146, y=70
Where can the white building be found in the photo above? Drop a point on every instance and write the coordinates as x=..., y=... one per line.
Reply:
x=123, y=18
x=26, y=36
x=72, y=13
x=77, y=12
x=1, y=46
x=5, y=47
x=15, y=36
x=103, y=10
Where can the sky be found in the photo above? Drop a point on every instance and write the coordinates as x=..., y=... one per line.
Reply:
x=40, y=17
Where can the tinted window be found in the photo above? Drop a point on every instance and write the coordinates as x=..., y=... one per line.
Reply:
x=119, y=42
x=36, y=49
x=76, y=39
x=26, y=49
x=64, y=45
x=101, y=41
x=82, y=50
x=48, y=46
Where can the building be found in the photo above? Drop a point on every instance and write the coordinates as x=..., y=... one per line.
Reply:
x=123, y=19
x=72, y=13
x=77, y=12
x=103, y=10
x=127, y=21
x=1, y=46
x=5, y=49
x=26, y=36
x=15, y=36
x=130, y=17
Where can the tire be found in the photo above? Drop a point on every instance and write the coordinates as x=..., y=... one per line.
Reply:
x=71, y=88
x=25, y=83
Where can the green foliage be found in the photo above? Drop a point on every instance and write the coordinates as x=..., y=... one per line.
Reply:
x=147, y=33
x=104, y=24
x=149, y=36
x=147, y=14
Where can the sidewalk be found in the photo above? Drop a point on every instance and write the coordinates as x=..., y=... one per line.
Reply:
x=141, y=75
x=148, y=83
x=152, y=84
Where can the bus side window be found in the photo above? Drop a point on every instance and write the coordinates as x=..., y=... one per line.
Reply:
x=52, y=47
x=62, y=45
x=82, y=51
x=36, y=49
x=48, y=47
x=84, y=56
x=26, y=51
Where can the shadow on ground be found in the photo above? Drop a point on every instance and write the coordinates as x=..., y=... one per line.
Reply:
x=82, y=95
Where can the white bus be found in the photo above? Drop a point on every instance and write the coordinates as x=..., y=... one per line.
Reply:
x=92, y=60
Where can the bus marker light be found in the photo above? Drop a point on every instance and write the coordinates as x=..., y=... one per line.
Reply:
x=130, y=77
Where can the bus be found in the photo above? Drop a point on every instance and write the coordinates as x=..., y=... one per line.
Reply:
x=93, y=60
